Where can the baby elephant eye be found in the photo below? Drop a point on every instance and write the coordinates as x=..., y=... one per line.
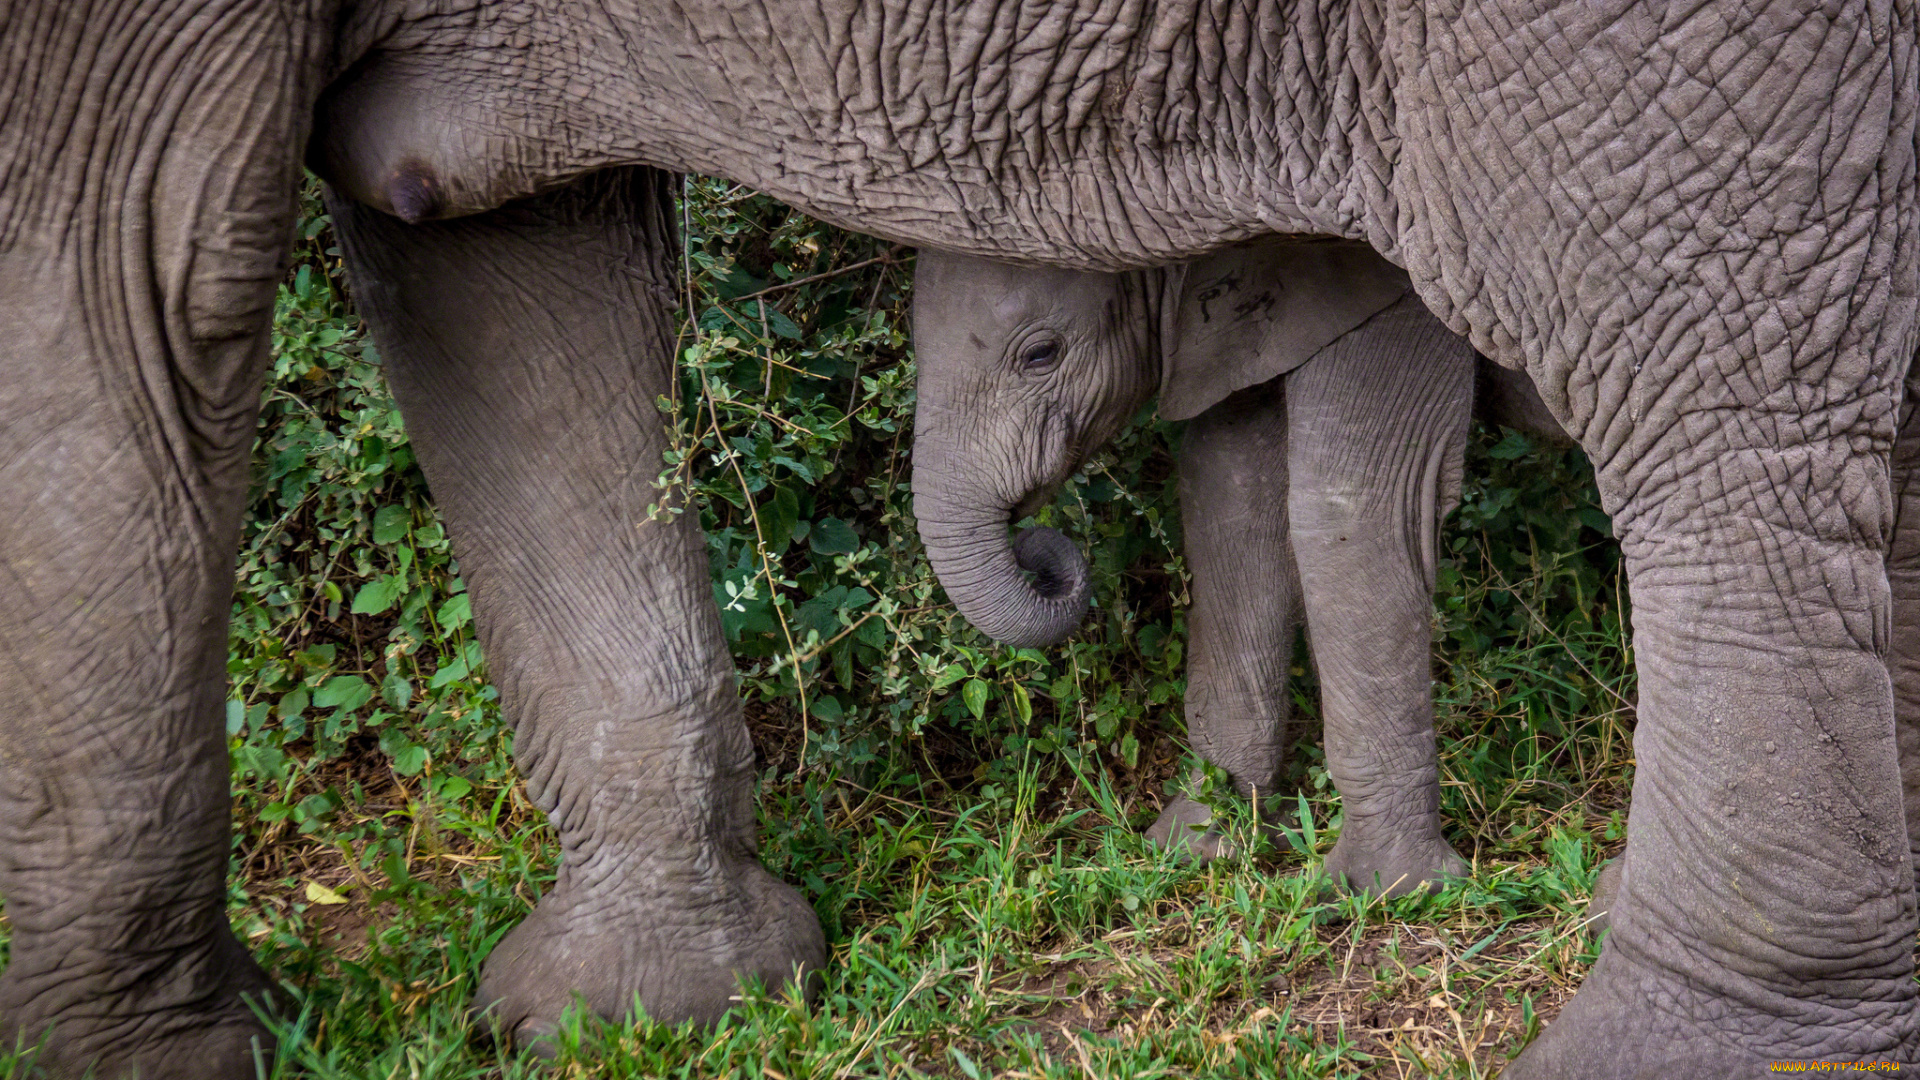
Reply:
x=1040, y=356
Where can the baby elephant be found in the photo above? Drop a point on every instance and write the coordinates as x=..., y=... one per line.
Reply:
x=1329, y=413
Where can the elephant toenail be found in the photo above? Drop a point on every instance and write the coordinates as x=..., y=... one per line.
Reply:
x=536, y=1037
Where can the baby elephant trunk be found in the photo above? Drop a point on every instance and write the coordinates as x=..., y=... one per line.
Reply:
x=987, y=576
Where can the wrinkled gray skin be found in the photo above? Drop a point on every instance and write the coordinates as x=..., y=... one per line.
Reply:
x=527, y=347
x=1693, y=226
x=1329, y=414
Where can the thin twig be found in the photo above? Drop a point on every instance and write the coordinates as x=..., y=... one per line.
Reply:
x=1555, y=634
x=909, y=805
x=822, y=276
x=766, y=569
x=858, y=623
x=766, y=335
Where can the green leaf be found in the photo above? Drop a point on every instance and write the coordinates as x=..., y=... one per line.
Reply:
x=782, y=326
x=343, y=692
x=376, y=596
x=843, y=664
x=1515, y=445
x=777, y=518
x=975, y=695
x=410, y=760
x=448, y=672
x=236, y=717
x=396, y=690
x=831, y=536
x=1023, y=705
x=454, y=614
x=314, y=809
x=264, y=762
x=458, y=668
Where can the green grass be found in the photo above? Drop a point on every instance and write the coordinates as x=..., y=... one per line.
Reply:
x=963, y=817
x=1041, y=938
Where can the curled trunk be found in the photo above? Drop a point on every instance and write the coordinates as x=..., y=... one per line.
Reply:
x=986, y=574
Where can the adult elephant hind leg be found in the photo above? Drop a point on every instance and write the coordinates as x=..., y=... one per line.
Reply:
x=527, y=348
x=1766, y=904
x=1246, y=600
x=141, y=239
x=1376, y=434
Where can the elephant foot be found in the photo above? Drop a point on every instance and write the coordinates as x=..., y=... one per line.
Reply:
x=1629, y=1023
x=1186, y=826
x=1391, y=869
x=683, y=951
x=189, y=1021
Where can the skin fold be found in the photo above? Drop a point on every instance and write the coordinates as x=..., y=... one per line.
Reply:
x=1332, y=412
x=1693, y=227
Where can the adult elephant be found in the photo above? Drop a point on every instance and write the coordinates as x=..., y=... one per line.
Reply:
x=1693, y=227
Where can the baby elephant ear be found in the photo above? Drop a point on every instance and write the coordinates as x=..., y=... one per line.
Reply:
x=1250, y=314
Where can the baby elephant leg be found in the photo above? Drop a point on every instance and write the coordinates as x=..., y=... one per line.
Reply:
x=1376, y=430
x=1246, y=601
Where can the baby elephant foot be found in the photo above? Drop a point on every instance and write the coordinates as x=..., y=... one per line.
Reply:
x=683, y=949
x=1395, y=869
x=196, y=1025
x=1186, y=826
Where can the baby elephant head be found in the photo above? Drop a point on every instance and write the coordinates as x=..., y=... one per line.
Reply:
x=1023, y=374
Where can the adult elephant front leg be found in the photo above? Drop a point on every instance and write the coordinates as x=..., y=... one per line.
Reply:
x=1766, y=908
x=527, y=348
x=1903, y=577
x=151, y=157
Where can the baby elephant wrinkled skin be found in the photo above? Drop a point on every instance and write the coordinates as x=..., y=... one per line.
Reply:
x=1329, y=412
